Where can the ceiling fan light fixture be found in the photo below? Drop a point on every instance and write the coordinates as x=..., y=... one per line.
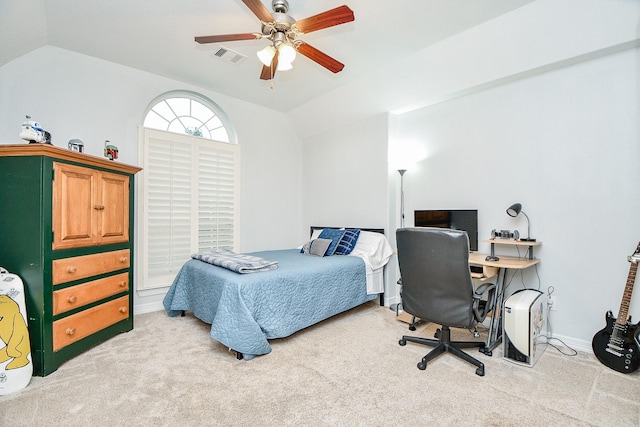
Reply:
x=287, y=53
x=284, y=66
x=283, y=32
x=266, y=55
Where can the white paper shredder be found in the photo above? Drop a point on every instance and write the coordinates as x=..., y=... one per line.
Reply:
x=524, y=327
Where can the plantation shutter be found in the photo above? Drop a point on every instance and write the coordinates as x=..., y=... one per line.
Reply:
x=190, y=201
x=216, y=199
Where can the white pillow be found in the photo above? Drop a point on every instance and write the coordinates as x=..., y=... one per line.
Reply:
x=374, y=248
x=316, y=233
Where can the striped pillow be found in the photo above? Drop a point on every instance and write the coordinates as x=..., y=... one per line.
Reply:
x=348, y=241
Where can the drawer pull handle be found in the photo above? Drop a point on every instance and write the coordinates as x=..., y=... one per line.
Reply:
x=71, y=269
x=123, y=284
x=72, y=299
x=123, y=259
x=123, y=309
x=98, y=207
x=70, y=331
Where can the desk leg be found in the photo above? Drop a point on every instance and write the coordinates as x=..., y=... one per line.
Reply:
x=495, y=327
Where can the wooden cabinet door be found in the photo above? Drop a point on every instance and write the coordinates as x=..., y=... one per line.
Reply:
x=74, y=222
x=114, y=208
x=90, y=207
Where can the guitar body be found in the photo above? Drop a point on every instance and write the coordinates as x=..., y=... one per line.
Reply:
x=615, y=347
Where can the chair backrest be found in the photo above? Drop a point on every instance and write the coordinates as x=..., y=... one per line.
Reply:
x=436, y=279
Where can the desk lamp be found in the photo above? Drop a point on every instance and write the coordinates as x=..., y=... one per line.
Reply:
x=515, y=210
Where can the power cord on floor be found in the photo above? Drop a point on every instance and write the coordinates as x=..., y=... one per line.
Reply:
x=550, y=337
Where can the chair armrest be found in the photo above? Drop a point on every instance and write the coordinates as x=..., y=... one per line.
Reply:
x=480, y=311
x=482, y=289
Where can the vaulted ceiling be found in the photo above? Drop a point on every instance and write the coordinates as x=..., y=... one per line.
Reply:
x=158, y=36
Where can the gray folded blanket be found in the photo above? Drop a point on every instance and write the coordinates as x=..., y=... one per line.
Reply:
x=240, y=263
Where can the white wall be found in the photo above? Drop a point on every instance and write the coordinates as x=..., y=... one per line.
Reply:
x=76, y=96
x=344, y=176
x=565, y=145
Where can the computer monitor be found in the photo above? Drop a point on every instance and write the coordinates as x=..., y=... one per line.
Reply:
x=456, y=219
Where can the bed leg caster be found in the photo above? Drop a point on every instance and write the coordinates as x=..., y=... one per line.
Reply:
x=239, y=355
x=182, y=314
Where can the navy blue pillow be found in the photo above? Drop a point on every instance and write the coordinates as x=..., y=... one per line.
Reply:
x=348, y=241
x=333, y=234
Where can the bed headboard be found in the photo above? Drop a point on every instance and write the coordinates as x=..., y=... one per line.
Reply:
x=373, y=230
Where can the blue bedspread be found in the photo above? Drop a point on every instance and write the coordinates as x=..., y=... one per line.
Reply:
x=245, y=310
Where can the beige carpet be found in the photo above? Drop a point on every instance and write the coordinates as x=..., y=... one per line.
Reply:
x=347, y=371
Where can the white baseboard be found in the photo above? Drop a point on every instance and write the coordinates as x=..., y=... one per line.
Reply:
x=148, y=307
x=573, y=343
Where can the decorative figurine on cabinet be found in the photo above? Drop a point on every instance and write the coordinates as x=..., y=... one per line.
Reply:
x=76, y=145
x=110, y=151
x=32, y=131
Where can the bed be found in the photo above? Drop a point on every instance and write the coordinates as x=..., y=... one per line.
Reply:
x=247, y=310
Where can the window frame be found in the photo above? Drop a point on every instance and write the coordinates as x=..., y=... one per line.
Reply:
x=215, y=108
x=157, y=284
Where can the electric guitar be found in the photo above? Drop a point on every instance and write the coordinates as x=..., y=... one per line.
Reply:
x=614, y=345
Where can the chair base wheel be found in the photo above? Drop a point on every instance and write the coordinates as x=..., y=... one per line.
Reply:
x=422, y=366
x=480, y=371
x=412, y=327
x=402, y=342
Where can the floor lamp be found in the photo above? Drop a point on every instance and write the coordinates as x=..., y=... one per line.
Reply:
x=401, y=172
x=397, y=307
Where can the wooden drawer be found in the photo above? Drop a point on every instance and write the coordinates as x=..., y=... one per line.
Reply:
x=80, y=267
x=80, y=325
x=77, y=296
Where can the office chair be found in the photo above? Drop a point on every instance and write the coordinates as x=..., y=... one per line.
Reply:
x=437, y=287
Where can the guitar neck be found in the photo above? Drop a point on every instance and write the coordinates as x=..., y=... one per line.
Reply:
x=623, y=313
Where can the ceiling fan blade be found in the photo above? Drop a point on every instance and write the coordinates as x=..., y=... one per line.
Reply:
x=269, y=72
x=337, y=16
x=225, y=38
x=321, y=58
x=259, y=9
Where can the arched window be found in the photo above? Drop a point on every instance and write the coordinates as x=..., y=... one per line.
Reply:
x=190, y=191
x=189, y=113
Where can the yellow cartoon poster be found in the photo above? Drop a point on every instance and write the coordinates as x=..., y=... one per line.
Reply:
x=16, y=366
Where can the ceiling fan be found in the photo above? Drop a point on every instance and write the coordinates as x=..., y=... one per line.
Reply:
x=283, y=32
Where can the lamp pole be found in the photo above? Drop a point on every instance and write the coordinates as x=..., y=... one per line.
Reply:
x=401, y=172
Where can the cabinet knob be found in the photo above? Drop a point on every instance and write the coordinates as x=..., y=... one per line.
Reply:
x=71, y=269
x=70, y=331
x=72, y=299
x=123, y=259
x=123, y=284
x=123, y=309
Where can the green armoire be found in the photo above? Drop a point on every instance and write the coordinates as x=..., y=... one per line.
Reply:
x=66, y=224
